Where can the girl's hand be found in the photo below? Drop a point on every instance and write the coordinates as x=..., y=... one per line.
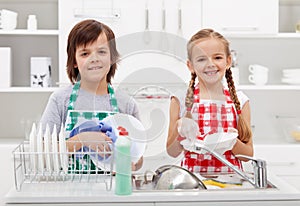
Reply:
x=188, y=128
x=232, y=129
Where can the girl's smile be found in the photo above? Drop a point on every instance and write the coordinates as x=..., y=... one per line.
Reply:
x=211, y=72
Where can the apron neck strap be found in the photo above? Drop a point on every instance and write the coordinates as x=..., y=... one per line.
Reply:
x=74, y=95
x=225, y=92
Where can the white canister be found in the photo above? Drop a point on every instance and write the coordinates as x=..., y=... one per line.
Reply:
x=31, y=22
x=8, y=19
x=5, y=67
x=40, y=71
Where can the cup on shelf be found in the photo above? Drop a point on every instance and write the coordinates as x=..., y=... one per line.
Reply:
x=8, y=19
x=259, y=74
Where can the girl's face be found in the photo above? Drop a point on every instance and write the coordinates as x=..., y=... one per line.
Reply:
x=93, y=60
x=209, y=61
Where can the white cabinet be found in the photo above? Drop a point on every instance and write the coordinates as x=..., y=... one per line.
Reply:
x=25, y=44
x=282, y=160
x=241, y=16
x=166, y=24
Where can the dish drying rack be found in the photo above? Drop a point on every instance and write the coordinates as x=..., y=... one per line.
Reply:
x=35, y=167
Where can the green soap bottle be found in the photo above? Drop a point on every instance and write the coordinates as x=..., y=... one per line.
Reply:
x=123, y=164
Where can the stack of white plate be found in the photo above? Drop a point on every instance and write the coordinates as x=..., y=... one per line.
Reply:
x=291, y=76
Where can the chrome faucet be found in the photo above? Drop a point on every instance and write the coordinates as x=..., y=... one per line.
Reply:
x=259, y=166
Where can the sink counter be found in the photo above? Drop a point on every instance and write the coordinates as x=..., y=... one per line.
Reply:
x=95, y=193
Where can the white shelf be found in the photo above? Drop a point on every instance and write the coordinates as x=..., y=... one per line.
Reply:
x=27, y=32
x=240, y=87
x=27, y=89
x=266, y=36
x=269, y=87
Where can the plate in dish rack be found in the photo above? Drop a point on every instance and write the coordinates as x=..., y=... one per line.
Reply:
x=56, y=165
x=63, y=150
x=32, y=148
x=39, y=150
x=47, y=149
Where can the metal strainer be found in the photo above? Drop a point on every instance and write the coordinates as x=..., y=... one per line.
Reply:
x=169, y=177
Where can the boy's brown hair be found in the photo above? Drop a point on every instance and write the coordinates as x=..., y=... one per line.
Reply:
x=84, y=33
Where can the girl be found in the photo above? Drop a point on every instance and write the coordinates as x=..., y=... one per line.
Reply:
x=214, y=107
x=91, y=64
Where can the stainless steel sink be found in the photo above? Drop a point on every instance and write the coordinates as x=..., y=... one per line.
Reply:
x=214, y=182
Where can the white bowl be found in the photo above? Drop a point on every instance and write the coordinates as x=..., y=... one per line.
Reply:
x=220, y=142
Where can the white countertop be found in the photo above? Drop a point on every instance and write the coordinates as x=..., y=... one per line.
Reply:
x=96, y=193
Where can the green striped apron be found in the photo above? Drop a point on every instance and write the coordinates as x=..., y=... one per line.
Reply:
x=73, y=117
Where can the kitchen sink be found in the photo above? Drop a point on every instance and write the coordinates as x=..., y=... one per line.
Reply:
x=221, y=182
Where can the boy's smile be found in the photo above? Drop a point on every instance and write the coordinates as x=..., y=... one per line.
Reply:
x=93, y=61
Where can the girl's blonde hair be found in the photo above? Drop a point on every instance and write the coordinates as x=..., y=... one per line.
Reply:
x=243, y=128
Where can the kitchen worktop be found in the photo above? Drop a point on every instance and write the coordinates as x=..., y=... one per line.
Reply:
x=95, y=193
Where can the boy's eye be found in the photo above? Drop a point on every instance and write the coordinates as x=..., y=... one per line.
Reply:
x=102, y=51
x=84, y=54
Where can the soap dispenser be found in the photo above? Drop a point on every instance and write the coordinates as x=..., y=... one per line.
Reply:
x=123, y=182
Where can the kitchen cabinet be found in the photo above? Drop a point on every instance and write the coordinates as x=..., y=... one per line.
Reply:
x=276, y=51
x=25, y=44
x=247, y=16
x=128, y=21
x=282, y=160
x=275, y=21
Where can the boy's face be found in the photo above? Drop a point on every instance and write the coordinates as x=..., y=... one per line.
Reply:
x=209, y=61
x=93, y=60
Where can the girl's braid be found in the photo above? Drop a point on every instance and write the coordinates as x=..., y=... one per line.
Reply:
x=232, y=90
x=244, y=130
x=189, y=100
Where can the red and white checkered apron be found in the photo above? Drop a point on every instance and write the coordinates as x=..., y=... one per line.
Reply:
x=212, y=116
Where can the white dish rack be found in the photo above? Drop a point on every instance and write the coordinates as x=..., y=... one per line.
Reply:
x=60, y=168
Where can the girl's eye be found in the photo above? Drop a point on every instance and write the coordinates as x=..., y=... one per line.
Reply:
x=219, y=57
x=200, y=59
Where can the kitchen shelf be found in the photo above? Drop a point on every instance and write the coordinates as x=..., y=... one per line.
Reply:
x=27, y=89
x=269, y=87
x=29, y=32
x=276, y=87
x=282, y=35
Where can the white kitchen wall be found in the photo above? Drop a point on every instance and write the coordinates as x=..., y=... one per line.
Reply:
x=130, y=24
x=18, y=111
